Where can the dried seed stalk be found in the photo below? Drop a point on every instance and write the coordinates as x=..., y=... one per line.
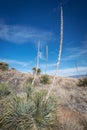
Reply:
x=59, y=55
x=46, y=58
x=38, y=56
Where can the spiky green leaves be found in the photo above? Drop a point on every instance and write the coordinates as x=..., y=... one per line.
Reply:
x=31, y=113
x=18, y=115
x=44, y=115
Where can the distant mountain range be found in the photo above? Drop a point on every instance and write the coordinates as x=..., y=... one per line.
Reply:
x=79, y=76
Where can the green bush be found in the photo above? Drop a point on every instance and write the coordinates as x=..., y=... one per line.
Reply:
x=31, y=114
x=4, y=91
x=83, y=82
x=45, y=79
x=4, y=66
x=13, y=69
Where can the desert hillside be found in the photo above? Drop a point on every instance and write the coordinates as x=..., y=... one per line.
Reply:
x=66, y=89
x=72, y=99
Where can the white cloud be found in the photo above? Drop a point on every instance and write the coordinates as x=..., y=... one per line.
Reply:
x=21, y=34
x=51, y=65
x=84, y=42
x=69, y=71
x=24, y=67
x=9, y=61
x=41, y=56
x=75, y=52
x=65, y=71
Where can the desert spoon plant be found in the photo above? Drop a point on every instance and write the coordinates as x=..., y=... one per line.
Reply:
x=29, y=113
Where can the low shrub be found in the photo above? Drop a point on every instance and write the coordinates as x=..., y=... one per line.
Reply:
x=13, y=69
x=83, y=82
x=4, y=90
x=45, y=79
x=4, y=66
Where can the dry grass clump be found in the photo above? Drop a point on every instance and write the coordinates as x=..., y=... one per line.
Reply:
x=71, y=120
x=71, y=126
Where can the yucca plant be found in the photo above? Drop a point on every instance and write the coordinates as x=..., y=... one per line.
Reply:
x=45, y=113
x=18, y=116
x=29, y=114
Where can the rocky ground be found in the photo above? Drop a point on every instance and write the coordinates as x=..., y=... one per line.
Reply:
x=14, y=78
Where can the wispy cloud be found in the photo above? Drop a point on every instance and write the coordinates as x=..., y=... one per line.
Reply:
x=24, y=67
x=22, y=34
x=41, y=56
x=84, y=42
x=75, y=52
x=69, y=71
x=50, y=65
x=10, y=61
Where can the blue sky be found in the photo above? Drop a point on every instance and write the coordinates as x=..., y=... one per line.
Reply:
x=24, y=22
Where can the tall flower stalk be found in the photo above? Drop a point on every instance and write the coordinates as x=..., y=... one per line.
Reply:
x=46, y=59
x=59, y=54
x=37, y=65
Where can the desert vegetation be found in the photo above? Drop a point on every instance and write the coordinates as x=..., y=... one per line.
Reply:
x=4, y=66
x=29, y=111
x=83, y=82
x=45, y=79
x=36, y=70
x=4, y=90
